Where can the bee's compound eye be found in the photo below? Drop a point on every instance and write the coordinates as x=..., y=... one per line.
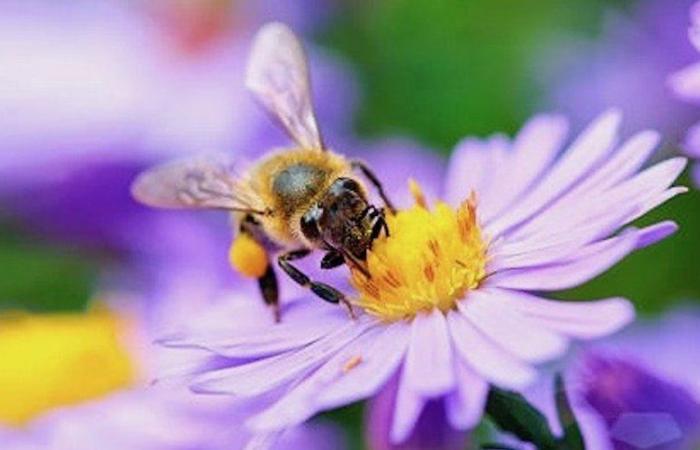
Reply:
x=309, y=223
x=350, y=184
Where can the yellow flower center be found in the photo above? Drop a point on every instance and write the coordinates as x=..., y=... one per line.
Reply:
x=432, y=259
x=53, y=360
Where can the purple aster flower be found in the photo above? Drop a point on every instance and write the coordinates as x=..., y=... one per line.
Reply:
x=686, y=84
x=626, y=67
x=453, y=303
x=639, y=389
x=95, y=92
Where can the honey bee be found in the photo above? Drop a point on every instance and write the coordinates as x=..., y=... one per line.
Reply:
x=292, y=201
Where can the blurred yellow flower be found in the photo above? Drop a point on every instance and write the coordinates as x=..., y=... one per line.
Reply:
x=54, y=360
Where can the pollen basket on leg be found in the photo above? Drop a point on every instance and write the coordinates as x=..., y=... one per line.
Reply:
x=431, y=259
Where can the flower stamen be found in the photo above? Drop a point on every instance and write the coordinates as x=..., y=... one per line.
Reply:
x=431, y=260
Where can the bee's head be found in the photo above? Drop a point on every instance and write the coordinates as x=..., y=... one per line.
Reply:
x=342, y=218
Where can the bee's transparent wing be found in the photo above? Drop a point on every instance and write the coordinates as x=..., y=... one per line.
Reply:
x=278, y=76
x=199, y=182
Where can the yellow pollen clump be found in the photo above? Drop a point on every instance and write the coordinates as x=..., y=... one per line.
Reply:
x=431, y=260
x=248, y=256
x=55, y=360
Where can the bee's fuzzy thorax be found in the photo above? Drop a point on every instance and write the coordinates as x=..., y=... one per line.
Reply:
x=324, y=167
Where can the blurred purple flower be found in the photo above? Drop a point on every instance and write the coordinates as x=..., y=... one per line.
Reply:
x=640, y=389
x=431, y=432
x=550, y=220
x=95, y=92
x=686, y=84
x=640, y=409
x=625, y=67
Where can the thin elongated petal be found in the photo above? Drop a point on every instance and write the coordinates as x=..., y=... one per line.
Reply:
x=409, y=405
x=263, y=375
x=582, y=157
x=686, y=83
x=594, y=260
x=582, y=320
x=533, y=150
x=429, y=368
x=654, y=233
x=637, y=194
x=511, y=331
x=471, y=164
x=379, y=362
x=624, y=163
x=299, y=403
x=465, y=405
x=557, y=247
x=484, y=356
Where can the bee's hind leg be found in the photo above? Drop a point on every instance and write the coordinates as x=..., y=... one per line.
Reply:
x=270, y=291
x=322, y=290
x=267, y=282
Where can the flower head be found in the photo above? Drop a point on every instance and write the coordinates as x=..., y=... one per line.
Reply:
x=451, y=303
x=432, y=259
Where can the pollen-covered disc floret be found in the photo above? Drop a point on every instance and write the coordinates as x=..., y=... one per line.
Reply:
x=431, y=260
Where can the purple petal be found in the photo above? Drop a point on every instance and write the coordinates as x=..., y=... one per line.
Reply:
x=465, y=405
x=263, y=375
x=251, y=339
x=549, y=248
x=694, y=31
x=582, y=320
x=379, y=362
x=513, y=332
x=299, y=403
x=662, y=346
x=641, y=409
x=691, y=143
x=658, y=200
x=264, y=441
x=626, y=161
x=429, y=369
x=486, y=357
x=432, y=431
x=314, y=435
x=592, y=261
x=581, y=157
x=686, y=83
x=654, y=233
x=534, y=148
x=638, y=194
x=471, y=165
x=409, y=405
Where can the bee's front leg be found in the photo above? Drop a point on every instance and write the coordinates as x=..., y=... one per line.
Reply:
x=369, y=174
x=322, y=290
